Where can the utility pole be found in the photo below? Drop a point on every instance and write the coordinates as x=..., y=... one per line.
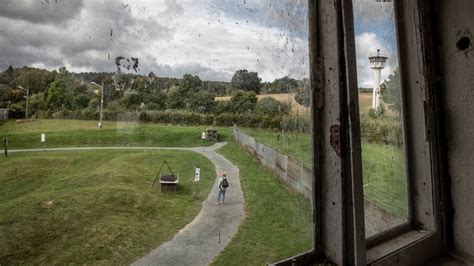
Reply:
x=27, y=97
x=101, y=106
x=5, y=146
x=101, y=102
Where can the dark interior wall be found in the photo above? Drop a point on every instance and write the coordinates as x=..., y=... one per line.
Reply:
x=455, y=24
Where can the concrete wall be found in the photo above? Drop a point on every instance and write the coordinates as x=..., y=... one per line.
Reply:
x=456, y=35
x=299, y=177
x=291, y=171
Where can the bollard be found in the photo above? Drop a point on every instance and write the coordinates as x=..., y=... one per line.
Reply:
x=5, y=146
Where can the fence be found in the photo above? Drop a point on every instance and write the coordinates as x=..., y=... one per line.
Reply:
x=293, y=172
x=299, y=177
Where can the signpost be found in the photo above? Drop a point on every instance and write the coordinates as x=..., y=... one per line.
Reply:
x=5, y=146
x=43, y=138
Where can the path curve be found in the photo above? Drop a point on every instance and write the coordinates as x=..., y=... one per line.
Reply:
x=200, y=241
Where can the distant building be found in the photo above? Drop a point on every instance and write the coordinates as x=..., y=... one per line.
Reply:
x=3, y=114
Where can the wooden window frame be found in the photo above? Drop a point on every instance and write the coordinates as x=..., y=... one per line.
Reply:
x=338, y=211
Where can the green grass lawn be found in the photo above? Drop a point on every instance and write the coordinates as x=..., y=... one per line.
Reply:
x=383, y=167
x=68, y=133
x=385, y=182
x=104, y=208
x=278, y=222
x=296, y=145
x=104, y=212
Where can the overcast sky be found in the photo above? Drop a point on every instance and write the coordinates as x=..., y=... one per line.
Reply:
x=209, y=38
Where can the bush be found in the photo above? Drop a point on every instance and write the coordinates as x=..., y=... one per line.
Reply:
x=381, y=131
x=189, y=118
x=16, y=110
x=175, y=117
x=221, y=107
x=224, y=119
x=373, y=113
x=271, y=107
x=242, y=102
x=207, y=119
x=296, y=123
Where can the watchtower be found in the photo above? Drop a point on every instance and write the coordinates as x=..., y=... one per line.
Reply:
x=377, y=63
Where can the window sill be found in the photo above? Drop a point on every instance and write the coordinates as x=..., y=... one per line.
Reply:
x=408, y=248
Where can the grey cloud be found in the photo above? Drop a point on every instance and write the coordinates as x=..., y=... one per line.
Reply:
x=46, y=11
x=26, y=56
x=372, y=11
x=173, y=9
x=205, y=73
x=103, y=28
x=291, y=17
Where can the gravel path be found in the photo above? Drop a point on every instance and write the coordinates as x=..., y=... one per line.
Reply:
x=200, y=241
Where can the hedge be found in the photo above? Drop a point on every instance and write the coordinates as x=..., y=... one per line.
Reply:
x=382, y=130
x=174, y=117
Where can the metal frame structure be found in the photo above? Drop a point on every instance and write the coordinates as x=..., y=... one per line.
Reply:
x=338, y=214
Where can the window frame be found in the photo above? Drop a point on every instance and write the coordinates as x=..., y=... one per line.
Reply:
x=339, y=230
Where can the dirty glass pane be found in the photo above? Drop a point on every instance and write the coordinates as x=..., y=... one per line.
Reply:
x=383, y=152
x=120, y=119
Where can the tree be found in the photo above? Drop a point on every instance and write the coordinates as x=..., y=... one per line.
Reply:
x=283, y=85
x=270, y=106
x=391, y=90
x=242, y=101
x=59, y=91
x=191, y=84
x=36, y=80
x=131, y=99
x=246, y=81
x=176, y=98
x=4, y=94
x=157, y=101
x=221, y=107
x=302, y=95
x=202, y=102
x=37, y=103
x=80, y=101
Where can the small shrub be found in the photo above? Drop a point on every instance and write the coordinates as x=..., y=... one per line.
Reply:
x=381, y=131
x=296, y=123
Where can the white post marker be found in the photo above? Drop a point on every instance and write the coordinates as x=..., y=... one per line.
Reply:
x=203, y=135
x=197, y=174
x=43, y=138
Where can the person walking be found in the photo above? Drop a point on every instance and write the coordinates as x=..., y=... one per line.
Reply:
x=222, y=185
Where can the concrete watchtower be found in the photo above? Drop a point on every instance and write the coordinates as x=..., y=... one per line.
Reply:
x=377, y=63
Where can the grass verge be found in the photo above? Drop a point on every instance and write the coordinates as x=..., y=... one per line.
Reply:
x=79, y=133
x=383, y=167
x=278, y=221
x=104, y=209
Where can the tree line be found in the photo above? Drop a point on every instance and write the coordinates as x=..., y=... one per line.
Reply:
x=53, y=92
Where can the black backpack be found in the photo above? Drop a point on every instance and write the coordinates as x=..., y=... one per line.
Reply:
x=224, y=183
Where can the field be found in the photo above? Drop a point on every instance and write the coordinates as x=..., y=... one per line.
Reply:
x=287, y=98
x=383, y=167
x=108, y=214
x=278, y=222
x=67, y=133
x=365, y=102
